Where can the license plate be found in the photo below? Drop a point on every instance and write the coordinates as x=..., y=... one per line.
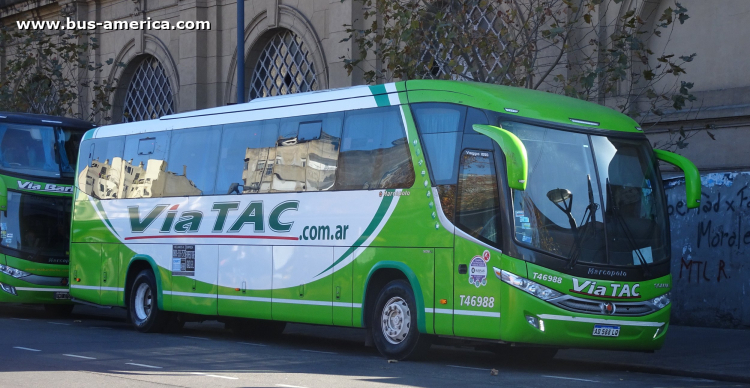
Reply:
x=62, y=295
x=606, y=331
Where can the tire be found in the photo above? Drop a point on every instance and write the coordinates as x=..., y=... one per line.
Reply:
x=144, y=305
x=58, y=310
x=394, y=323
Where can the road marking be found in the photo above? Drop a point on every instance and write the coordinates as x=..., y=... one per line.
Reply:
x=570, y=378
x=200, y=338
x=21, y=319
x=59, y=323
x=77, y=356
x=29, y=349
x=250, y=343
x=219, y=376
x=466, y=367
x=317, y=351
x=143, y=365
x=289, y=386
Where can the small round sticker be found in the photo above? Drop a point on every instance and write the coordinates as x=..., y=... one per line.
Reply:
x=486, y=256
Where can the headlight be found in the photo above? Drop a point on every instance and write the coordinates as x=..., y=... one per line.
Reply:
x=661, y=301
x=16, y=273
x=536, y=289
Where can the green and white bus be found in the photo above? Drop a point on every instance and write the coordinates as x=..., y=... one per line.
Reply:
x=415, y=209
x=37, y=170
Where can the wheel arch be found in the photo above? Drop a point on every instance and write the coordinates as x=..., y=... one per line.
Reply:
x=382, y=273
x=137, y=264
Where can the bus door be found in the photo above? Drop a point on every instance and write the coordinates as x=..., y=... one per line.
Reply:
x=476, y=309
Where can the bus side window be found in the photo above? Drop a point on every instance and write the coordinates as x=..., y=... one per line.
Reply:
x=478, y=204
x=307, y=152
x=246, y=157
x=440, y=127
x=374, y=151
x=191, y=165
x=144, y=165
x=100, y=168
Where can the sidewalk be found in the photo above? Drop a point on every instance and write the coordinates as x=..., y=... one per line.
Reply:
x=717, y=354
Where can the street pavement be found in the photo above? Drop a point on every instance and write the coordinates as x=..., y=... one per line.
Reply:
x=94, y=348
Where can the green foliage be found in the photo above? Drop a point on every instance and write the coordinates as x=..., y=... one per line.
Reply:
x=569, y=47
x=50, y=72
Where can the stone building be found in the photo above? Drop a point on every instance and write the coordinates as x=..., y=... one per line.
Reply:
x=296, y=46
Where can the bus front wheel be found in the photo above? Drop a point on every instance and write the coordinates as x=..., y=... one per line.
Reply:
x=144, y=307
x=394, y=323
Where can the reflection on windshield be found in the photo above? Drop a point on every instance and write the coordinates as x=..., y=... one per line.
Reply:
x=636, y=228
x=567, y=203
x=559, y=212
x=38, y=150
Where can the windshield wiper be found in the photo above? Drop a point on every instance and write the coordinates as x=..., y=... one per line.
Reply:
x=589, y=216
x=628, y=234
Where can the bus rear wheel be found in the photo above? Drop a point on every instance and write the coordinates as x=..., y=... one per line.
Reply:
x=144, y=307
x=394, y=323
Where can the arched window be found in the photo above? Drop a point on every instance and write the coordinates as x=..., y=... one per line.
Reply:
x=149, y=95
x=284, y=67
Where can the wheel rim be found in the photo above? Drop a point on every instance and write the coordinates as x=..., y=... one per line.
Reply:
x=143, y=302
x=395, y=320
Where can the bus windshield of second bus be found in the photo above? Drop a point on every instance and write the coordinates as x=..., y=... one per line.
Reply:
x=38, y=150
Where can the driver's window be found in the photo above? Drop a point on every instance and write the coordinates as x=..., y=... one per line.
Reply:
x=478, y=205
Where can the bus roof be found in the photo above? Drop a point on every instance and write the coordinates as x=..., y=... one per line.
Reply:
x=46, y=120
x=533, y=104
x=514, y=101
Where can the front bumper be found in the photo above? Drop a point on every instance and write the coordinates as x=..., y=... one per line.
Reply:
x=27, y=292
x=567, y=329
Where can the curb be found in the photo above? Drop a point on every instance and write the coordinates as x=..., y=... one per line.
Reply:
x=666, y=371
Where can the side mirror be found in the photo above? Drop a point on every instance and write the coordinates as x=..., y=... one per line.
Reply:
x=515, y=153
x=3, y=196
x=692, y=176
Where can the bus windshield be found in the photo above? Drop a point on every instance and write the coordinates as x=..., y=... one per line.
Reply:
x=36, y=225
x=38, y=150
x=590, y=199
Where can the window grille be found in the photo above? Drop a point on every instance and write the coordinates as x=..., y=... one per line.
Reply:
x=484, y=17
x=149, y=95
x=284, y=67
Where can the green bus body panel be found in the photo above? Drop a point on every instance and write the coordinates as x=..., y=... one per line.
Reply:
x=516, y=159
x=40, y=269
x=343, y=309
x=3, y=195
x=529, y=103
x=309, y=303
x=692, y=176
x=39, y=294
x=85, y=272
x=444, y=290
x=111, y=264
x=13, y=183
x=475, y=321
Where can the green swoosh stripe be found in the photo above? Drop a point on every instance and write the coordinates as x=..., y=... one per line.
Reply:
x=101, y=210
x=379, y=214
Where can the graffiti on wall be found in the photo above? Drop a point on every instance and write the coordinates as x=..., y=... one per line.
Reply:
x=711, y=252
